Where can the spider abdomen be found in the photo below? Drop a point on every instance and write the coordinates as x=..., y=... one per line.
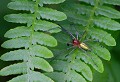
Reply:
x=84, y=46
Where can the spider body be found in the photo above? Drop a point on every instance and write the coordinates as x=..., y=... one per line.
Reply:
x=77, y=43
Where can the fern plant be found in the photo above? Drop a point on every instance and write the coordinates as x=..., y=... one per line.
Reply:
x=92, y=19
x=30, y=41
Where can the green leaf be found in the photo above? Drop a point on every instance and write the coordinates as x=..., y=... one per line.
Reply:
x=92, y=2
x=16, y=43
x=15, y=55
x=39, y=77
x=77, y=18
x=48, y=13
x=75, y=77
x=60, y=65
x=41, y=51
x=83, y=9
x=100, y=51
x=40, y=63
x=108, y=12
x=20, y=18
x=33, y=76
x=57, y=76
x=18, y=32
x=95, y=62
x=106, y=23
x=52, y=1
x=22, y=5
x=21, y=54
x=47, y=26
x=21, y=78
x=114, y=2
x=14, y=69
x=92, y=59
x=80, y=66
x=102, y=36
x=44, y=39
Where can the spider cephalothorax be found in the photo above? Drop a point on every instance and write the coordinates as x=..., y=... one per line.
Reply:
x=76, y=43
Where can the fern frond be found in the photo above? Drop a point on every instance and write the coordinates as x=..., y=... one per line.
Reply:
x=96, y=62
x=70, y=75
x=16, y=43
x=102, y=36
x=18, y=32
x=89, y=18
x=47, y=26
x=85, y=70
x=100, y=10
x=32, y=38
x=92, y=2
x=108, y=12
x=100, y=51
x=33, y=76
x=56, y=76
x=22, y=54
x=39, y=77
x=77, y=65
x=22, y=5
x=20, y=18
x=77, y=18
x=14, y=69
x=107, y=23
x=46, y=40
x=40, y=63
x=52, y=1
x=75, y=77
x=41, y=51
x=22, y=78
x=113, y=2
x=48, y=13
x=24, y=41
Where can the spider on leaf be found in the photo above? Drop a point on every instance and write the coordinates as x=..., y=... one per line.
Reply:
x=76, y=43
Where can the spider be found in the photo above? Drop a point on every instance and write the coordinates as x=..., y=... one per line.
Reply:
x=75, y=41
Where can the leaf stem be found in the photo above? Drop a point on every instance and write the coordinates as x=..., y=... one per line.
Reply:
x=90, y=20
x=29, y=67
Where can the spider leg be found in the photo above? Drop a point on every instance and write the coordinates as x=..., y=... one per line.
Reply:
x=70, y=52
x=68, y=44
x=69, y=47
x=82, y=35
x=65, y=51
x=77, y=35
x=71, y=35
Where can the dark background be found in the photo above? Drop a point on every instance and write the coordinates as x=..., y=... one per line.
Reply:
x=112, y=67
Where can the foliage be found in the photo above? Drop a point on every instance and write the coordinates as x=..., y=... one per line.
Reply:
x=91, y=19
x=34, y=43
x=30, y=41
